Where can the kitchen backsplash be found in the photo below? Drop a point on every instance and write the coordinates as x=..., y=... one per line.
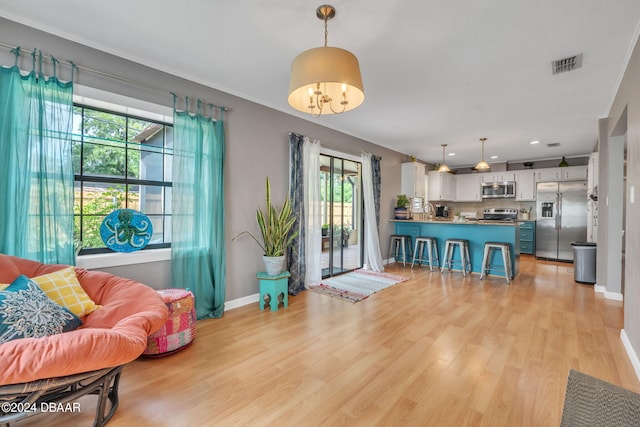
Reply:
x=479, y=207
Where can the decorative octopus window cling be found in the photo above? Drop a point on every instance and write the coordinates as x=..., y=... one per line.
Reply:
x=126, y=230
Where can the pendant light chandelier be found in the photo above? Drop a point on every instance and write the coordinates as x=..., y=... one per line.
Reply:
x=325, y=80
x=482, y=165
x=443, y=166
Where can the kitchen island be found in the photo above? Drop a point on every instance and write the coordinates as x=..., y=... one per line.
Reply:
x=476, y=232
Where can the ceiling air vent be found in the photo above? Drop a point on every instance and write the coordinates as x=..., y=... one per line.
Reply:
x=553, y=144
x=567, y=64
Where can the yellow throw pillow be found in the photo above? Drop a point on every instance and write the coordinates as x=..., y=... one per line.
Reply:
x=63, y=287
x=4, y=286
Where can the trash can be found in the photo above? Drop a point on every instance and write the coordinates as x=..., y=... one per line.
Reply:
x=584, y=262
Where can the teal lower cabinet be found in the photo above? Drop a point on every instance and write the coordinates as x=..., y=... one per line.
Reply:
x=528, y=237
x=476, y=233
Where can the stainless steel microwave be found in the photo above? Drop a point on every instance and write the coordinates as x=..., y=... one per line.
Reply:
x=498, y=190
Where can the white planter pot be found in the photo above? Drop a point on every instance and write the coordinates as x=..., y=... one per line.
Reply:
x=273, y=265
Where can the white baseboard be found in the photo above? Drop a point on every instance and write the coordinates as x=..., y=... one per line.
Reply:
x=630, y=352
x=240, y=302
x=616, y=296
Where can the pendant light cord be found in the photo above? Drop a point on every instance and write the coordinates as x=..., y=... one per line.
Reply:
x=326, y=31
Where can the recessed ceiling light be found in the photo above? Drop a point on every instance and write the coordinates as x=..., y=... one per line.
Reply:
x=534, y=142
x=451, y=154
x=494, y=157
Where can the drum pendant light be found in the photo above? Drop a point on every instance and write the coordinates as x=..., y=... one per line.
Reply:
x=325, y=80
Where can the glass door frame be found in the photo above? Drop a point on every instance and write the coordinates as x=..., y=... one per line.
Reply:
x=336, y=163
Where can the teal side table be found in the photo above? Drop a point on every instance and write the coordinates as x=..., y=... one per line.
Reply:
x=277, y=289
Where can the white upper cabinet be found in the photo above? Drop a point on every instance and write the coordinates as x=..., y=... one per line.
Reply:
x=525, y=185
x=547, y=174
x=442, y=186
x=497, y=176
x=412, y=179
x=572, y=173
x=569, y=173
x=468, y=188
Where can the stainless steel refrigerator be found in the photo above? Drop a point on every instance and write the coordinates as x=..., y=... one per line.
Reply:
x=561, y=218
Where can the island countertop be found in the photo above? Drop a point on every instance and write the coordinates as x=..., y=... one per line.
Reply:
x=461, y=222
x=476, y=232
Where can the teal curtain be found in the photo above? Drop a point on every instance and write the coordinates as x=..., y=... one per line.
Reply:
x=36, y=169
x=197, y=240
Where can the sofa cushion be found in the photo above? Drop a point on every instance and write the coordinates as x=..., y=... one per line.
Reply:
x=62, y=286
x=27, y=312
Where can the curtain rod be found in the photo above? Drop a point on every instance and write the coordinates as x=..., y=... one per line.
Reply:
x=347, y=151
x=108, y=75
x=336, y=148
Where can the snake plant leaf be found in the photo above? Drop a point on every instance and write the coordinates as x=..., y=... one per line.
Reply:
x=275, y=226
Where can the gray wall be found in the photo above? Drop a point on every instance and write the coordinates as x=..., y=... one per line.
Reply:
x=624, y=119
x=257, y=146
x=155, y=274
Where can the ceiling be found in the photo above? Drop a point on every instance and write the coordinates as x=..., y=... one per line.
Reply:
x=434, y=72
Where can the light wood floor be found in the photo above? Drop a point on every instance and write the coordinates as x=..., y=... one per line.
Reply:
x=438, y=350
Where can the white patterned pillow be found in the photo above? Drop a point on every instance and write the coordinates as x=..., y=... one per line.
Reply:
x=27, y=312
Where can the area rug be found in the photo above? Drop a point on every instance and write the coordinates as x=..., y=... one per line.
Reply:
x=590, y=401
x=357, y=285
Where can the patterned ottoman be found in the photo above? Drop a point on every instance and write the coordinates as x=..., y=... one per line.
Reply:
x=180, y=329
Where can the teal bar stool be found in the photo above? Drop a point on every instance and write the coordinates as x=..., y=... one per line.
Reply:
x=506, y=259
x=432, y=252
x=274, y=290
x=447, y=256
x=400, y=243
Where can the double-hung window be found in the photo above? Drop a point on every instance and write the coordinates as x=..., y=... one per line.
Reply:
x=120, y=161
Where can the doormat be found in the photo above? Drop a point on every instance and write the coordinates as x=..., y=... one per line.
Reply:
x=590, y=401
x=357, y=285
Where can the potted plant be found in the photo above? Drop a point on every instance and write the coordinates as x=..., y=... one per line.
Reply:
x=344, y=232
x=402, y=207
x=325, y=230
x=275, y=227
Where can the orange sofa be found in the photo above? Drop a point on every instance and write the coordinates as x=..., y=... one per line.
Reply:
x=111, y=336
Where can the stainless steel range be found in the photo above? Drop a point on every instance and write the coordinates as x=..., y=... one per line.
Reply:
x=500, y=214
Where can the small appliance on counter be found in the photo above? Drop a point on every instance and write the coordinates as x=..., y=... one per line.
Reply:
x=442, y=211
x=500, y=214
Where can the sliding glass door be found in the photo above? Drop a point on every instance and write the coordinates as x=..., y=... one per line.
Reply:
x=341, y=192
